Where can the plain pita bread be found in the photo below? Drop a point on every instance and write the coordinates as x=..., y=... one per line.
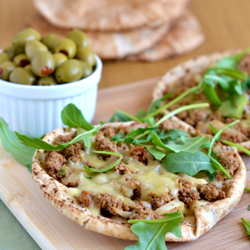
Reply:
x=109, y=15
x=108, y=45
x=184, y=36
x=185, y=70
x=205, y=216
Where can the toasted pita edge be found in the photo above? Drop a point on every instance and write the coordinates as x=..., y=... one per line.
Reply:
x=192, y=66
x=206, y=216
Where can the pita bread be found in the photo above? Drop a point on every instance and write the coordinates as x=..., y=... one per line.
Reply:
x=109, y=15
x=108, y=45
x=186, y=70
x=205, y=216
x=184, y=36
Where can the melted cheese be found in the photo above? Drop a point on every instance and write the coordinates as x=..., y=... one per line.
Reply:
x=150, y=178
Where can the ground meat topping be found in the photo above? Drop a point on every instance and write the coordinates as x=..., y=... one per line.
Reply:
x=85, y=198
x=157, y=202
x=141, y=212
x=186, y=192
x=73, y=152
x=195, y=117
x=136, y=194
x=122, y=168
x=54, y=162
x=210, y=192
x=63, y=139
x=139, y=153
x=104, y=144
x=106, y=202
x=229, y=161
x=167, y=125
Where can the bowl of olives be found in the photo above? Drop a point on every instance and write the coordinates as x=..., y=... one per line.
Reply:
x=39, y=76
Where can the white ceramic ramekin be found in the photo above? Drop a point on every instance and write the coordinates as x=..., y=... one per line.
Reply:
x=36, y=110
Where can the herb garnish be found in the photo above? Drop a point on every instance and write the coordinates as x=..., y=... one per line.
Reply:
x=73, y=117
x=11, y=144
x=40, y=144
x=152, y=233
x=105, y=169
x=247, y=225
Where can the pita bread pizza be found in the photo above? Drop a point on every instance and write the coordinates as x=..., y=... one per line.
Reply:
x=222, y=79
x=135, y=181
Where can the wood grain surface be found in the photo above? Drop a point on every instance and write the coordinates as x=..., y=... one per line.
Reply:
x=225, y=24
x=52, y=230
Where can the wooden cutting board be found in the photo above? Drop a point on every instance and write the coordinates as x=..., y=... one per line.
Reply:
x=52, y=230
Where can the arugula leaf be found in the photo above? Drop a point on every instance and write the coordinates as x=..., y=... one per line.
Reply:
x=22, y=153
x=246, y=224
x=154, y=106
x=119, y=117
x=171, y=103
x=231, y=62
x=228, y=72
x=131, y=137
x=214, y=130
x=214, y=78
x=209, y=90
x=190, y=145
x=217, y=165
x=157, y=153
x=73, y=117
x=244, y=150
x=40, y=144
x=173, y=134
x=233, y=106
x=131, y=117
x=87, y=177
x=141, y=113
x=211, y=176
x=152, y=233
x=217, y=136
x=247, y=189
x=105, y=169
x=236, y=87
x=188, y=163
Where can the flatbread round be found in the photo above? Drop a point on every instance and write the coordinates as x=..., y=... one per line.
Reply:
x=205, y=216
x=108, y=15
x=183, y=73
x=108, y=45
x=184, y=36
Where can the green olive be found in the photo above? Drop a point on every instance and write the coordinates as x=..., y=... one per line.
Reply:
x=69, y=71
x=32, y=47
x=59, y=58
x=4, y=57
x=42, y=63
x=47, y=80
x=79, y=37
x=87, y=69
x=28, y=67
x=66, y=46
x=21, y=60
x=19, y=40
x=9, y=50
x=85, y=54
x=4, y=73
x=8, y=65
x=22, y=76
x=50, y=40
